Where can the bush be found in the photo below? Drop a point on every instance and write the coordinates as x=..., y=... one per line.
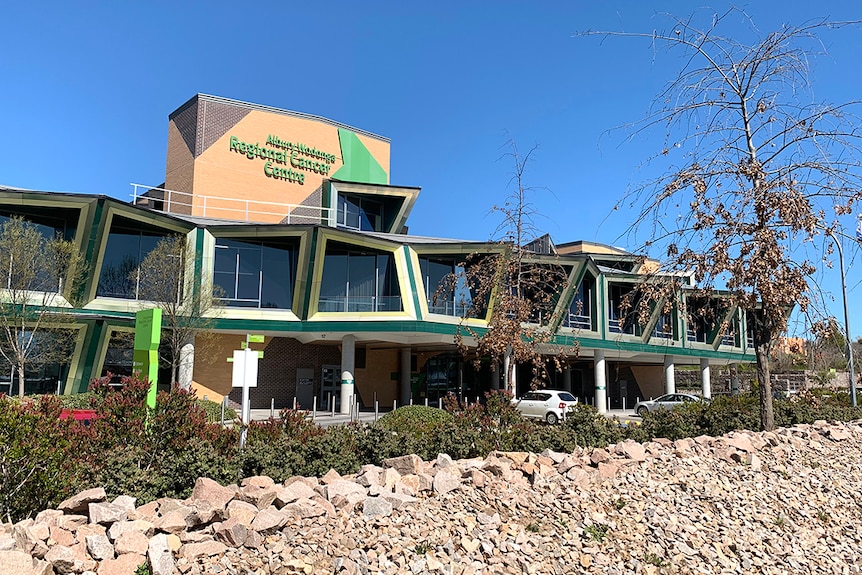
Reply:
x=34, y=457
x=213, y=411
x=589, y=428
x=413, y=419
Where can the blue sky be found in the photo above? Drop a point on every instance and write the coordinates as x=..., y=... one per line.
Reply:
x=87, y=88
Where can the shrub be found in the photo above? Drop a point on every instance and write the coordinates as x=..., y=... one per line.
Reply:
x=34, y=457
x=213, y=411
x=589, y=428
x=681, y=421
x=413, y=419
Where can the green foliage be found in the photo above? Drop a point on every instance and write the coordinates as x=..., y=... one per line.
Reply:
x=597, y=531
x=143, y=569
x=589, y=428
x=77, y=400
x=213, y=411
x=413, y=419
x=653, y=559
x=33, y=457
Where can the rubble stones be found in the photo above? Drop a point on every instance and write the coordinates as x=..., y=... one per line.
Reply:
x=744, y=503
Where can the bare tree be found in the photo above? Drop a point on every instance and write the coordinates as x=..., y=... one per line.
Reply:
x=36, y=273
x=514, y=287
x=166, y=280
x=759, y=170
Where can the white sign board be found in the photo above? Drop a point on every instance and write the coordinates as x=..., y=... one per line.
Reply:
x=241, y=371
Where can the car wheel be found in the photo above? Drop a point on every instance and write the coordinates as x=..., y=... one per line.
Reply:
x=642, y=411
x=551, y=418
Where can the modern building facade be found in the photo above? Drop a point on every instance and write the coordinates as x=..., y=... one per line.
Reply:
x=291, y=222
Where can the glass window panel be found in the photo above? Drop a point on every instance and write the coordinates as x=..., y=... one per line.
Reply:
x=225, y=260
x=277, y=289
x=334, y=280
x=225, y=282
x=361, y=272
x=247, y=287
x=118, y=265
x=249, y=261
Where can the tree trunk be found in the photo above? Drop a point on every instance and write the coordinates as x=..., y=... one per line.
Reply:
x=762, y=348
x=20, y=370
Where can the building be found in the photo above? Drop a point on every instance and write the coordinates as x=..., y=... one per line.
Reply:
x=292, y=221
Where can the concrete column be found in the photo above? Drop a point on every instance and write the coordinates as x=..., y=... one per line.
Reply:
x=669, y=380
x=704, y=378
x=567, y=378
x=348, y=365
x=734, y=379
x=186, y=366
x=495, y=377
x=601, y=382
x=405, y=389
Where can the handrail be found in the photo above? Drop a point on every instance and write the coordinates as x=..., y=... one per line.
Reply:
x=174, y=201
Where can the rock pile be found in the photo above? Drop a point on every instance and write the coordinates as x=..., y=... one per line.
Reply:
x=773, y=502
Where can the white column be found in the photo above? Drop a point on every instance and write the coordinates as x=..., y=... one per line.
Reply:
x=704, y=378
x=601, y=382
x=669, y=380
x=348, y=366
x=405, y=391
x=186, y=366
x=510, y=374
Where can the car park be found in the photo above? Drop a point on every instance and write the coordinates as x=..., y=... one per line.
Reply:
x=549, y=405
x=666, y=401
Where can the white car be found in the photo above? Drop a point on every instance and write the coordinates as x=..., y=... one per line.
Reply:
x=550, y=405
x=666, y=401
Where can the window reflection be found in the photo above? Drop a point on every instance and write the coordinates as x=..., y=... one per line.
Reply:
x=358, y=281
x=255, y=274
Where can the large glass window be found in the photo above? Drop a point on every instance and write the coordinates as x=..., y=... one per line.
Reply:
x=356, y=280
x=445, y=285
x=255, y=274
x=581, y=309
x=129, y=242
x=360, y=213
x=619, y=297
x=51, y=222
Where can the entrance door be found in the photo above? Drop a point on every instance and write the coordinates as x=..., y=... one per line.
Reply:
x=330, y=386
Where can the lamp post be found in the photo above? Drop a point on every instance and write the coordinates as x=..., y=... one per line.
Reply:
x=848, y=341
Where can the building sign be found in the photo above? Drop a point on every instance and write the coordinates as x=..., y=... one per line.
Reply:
x=284, y=160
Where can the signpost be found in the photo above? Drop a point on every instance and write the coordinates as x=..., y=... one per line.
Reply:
x=145, y=361
x=245, y=376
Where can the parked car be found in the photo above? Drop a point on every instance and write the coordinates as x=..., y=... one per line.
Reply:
x=666, y=401
x=550, y=405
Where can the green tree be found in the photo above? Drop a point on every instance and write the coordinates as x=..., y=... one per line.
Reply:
x=39, y=276
x=758, y=169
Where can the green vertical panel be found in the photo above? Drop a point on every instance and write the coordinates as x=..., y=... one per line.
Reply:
x=197, y=281
x=96, y=334
x=145, y=361
x=96, y=223
x=311, y=246
x=359, y=164
x=412, y=286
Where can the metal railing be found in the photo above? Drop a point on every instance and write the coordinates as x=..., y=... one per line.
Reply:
x=359, y=304
x=176, y=202
x=578, y=321
x=449, y=308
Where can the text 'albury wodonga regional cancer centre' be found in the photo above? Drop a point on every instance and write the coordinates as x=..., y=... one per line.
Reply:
x=292, y=219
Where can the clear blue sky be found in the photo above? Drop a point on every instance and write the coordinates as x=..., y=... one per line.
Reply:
x=87, y=88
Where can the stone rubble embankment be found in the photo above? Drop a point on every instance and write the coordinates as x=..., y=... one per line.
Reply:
x=767, y=502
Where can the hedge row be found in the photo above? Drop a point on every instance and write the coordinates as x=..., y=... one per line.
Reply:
x=129, y=450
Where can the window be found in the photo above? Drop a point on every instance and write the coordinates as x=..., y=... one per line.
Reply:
x=129, y=242
x=581, y=309
x=255, y=274
x=617, y=322
x=445, y=286
x=359, y=213
x=357, y=280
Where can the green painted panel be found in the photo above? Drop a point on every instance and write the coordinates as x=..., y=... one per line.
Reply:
x=359, y=164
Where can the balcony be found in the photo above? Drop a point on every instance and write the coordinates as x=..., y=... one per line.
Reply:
x=348, y=304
